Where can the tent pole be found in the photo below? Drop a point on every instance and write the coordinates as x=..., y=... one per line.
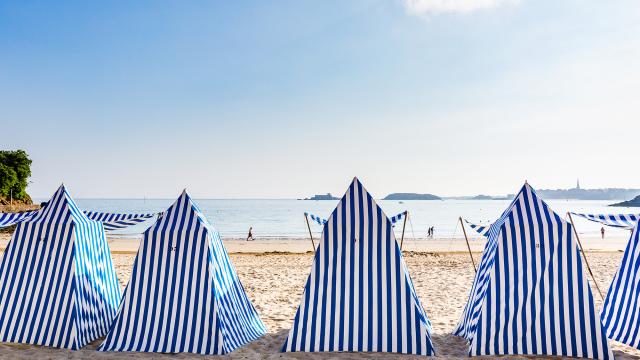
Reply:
x=310, y=234
x=468, y=246
x=584, y=256
x=406, y=213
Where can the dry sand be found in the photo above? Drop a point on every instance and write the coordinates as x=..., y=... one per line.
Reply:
x=274, y=281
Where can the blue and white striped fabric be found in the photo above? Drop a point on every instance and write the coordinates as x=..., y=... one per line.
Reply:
x=318, y=220
x=480, y=229
x=621, y=312
x=58, y=285
x=8, y=219
x=530, y=295
x=359, y=295
x=394, y=219
x=112, y=221
x=184, y=294
x=627, y=221
x=321, y=222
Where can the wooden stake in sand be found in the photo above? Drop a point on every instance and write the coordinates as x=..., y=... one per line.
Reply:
x=406, y=214
x=310, y=234
x=586, y=262
x=468, y=246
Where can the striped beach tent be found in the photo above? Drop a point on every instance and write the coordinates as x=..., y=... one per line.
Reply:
x=625, y=221
x=621, y=311
x=479, y=228
x=112, y=221
x=184, y=294
x=317, y=219
x=530, y=295
x=58, y=286
x=359, y=295
x=395, y=218
x=8, y=219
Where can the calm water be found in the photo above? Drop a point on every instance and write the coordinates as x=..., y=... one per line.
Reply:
x=285, y=218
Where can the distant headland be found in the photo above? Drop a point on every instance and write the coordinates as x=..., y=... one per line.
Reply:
x=577, y=193
x=635, y=202
x=553, y=194
x=411, y=196
x=589, y=194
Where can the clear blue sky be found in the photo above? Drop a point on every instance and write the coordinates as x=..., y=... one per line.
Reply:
x=291, y=98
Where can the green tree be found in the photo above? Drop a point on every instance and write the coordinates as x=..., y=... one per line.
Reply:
x=15, y=170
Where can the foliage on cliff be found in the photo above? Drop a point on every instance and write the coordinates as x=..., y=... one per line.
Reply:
x=15, y=170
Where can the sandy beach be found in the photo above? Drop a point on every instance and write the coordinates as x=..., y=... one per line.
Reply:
x=273, y=273
x=120, y=245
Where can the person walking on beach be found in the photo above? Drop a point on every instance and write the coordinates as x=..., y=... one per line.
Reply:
x=602, y=231
x=250, y=235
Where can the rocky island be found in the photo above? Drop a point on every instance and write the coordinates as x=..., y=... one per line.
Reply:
x=489, y=197
x=411, y=196
x=328, y=196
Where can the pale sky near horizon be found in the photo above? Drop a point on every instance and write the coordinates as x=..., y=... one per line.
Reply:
x=287, y=99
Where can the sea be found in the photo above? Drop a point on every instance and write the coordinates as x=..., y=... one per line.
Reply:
x=285, y=218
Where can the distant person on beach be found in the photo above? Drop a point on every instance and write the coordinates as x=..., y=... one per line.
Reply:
x=250, y=236
x=433, y=228
x=602, y=231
